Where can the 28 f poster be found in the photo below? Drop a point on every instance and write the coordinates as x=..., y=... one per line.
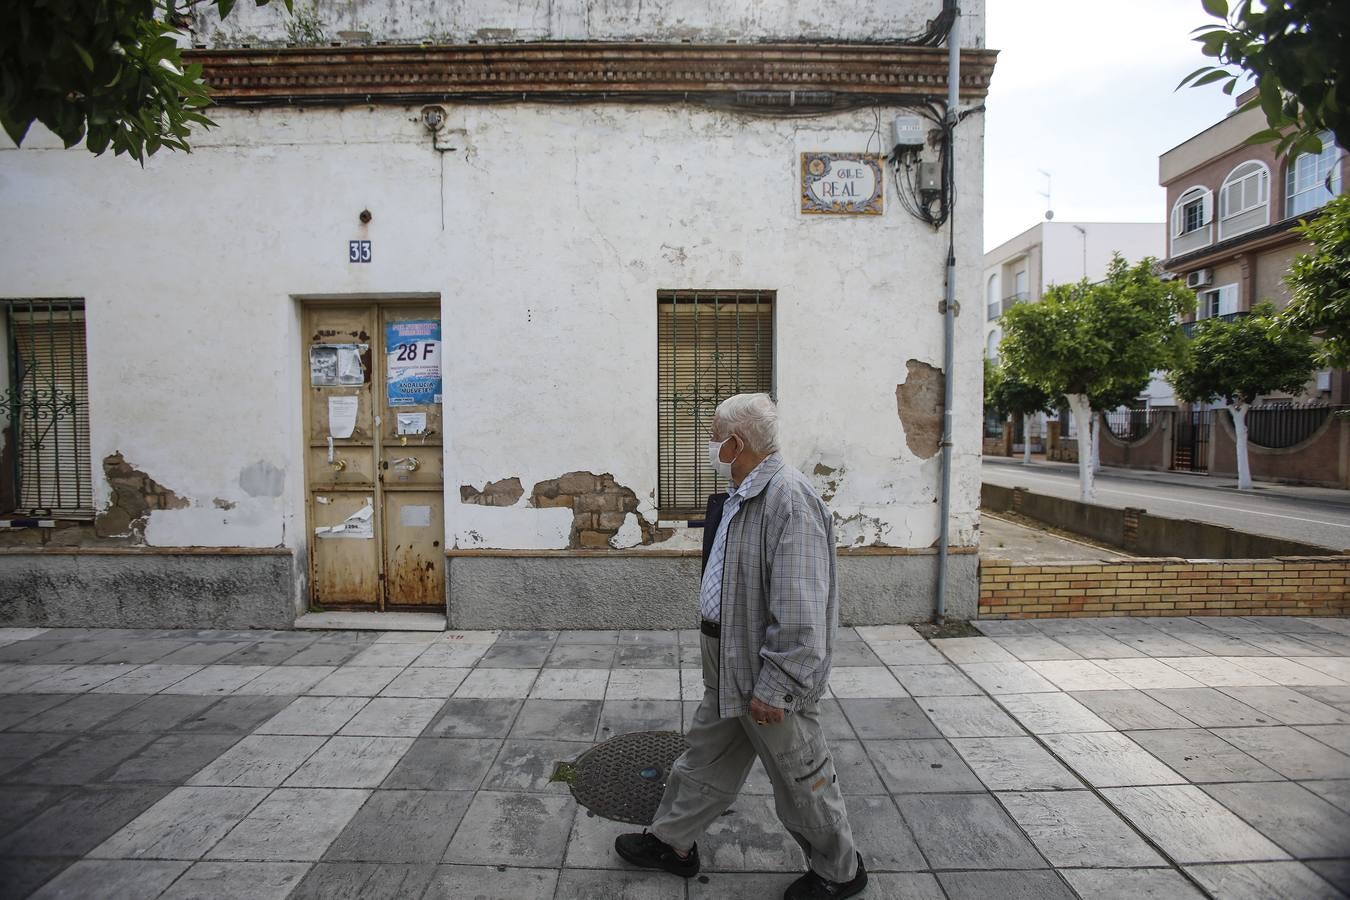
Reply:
x=413, y=363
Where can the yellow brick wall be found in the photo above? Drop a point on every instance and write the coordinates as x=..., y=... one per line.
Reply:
x=1287, y=586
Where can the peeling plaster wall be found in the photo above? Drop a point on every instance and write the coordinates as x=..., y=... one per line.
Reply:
x=560, y=225
x=489, y=21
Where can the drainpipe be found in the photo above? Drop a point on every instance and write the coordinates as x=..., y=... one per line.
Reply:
x=948, y=314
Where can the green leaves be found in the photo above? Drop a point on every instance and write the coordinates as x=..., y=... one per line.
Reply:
x=1319, y=284
x=108, y=73
x=1097, y=339
x=1238, y=361
x=1295, y=51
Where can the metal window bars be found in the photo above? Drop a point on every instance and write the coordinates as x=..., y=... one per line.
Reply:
x=710, y=345
x=45, y=401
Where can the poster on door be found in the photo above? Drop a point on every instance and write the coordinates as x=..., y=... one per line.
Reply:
x=413, y=353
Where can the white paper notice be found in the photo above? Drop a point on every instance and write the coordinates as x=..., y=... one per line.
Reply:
x=412, y=423
x=359, y=525
x=415, y=516
x=342, y=416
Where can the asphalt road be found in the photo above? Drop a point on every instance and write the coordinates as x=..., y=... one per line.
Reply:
x=1314, y=515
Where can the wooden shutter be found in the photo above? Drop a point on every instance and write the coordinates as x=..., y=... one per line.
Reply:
x=53, y=415
x=710, y=345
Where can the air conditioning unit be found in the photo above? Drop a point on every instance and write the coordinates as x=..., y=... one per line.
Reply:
x=1198, y=278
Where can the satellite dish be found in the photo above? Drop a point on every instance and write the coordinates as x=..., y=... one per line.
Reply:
x=1049, y=214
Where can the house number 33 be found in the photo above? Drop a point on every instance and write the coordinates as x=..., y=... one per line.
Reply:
x=358, y=251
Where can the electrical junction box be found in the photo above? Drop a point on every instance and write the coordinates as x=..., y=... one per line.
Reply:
x=908, y=133
x=930, y=177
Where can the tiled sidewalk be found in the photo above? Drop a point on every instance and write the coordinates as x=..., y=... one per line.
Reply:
x=1110, y=758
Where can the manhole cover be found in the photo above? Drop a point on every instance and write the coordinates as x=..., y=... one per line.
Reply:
x=623, y=778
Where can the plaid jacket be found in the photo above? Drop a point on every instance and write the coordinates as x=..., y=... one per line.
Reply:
x=780, y=603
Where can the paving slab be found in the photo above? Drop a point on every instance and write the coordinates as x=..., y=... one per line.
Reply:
x=171, y=759
x=393, y=717
x=967, y=831
x=259, y=760
x=1201, y=756
x=749, y=838
x=448, y=764
x=581, y=656
x=1035, y=647
x=236, y=715
x=19, y=803
x=903, y=653
x=496, y=684
x=472, y=718
x=237, y=880
x=1335, y=871
x=584, y=884
x=184, y=824
x=1298, y=820
x=1131, y=710
x=972, y=650
x=570, y=684
x=80, y=820
x=401, y=827
x=1035, y=885
x=15, y=708
x=363, y=881
x=644, y=684
x=356, y=681
x=78, y=713
x=1210, y=707
x=1110, y=759
x=1075, y=828
x=427, y=682
x=1337, y=736
x=1337, y=793
x=979, y=716
x=17, y=748
x=1289, y=752
x=350, y=762
x=1189, y=825
x=217, y=680
x=292, y=824
x=112, y=879
x=287, y=680
x=666, y=656
x=1212, y=671
x=881, y=835
x=1258, y=881
x=513, y=829
x=1097, y=645
x=897, y=719
x=934, y=681
x=164, y=712
x=1055, y=713
x=1288, y=706
x=502, y=882
x=313, y=715
x=1131, y=884
x=577, y=720
x=81, y=760
x=921, y=766
x=147, y=679
x=1014, y=763
x=1078, y=675
x=528, y=765
x=324, y=653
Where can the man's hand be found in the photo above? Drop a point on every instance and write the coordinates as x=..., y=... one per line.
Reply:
x=763, y=713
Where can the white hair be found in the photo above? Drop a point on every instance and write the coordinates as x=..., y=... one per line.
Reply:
x=753, y=416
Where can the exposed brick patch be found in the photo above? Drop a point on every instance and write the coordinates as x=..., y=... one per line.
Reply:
x=135, y=496
x=599, y=505
x=919, y=403
x=1285, y=586
x=495, y=493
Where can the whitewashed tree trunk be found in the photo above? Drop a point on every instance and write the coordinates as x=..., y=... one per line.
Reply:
x=1239, y=411
x=1082, y=416
x=1026, y=440
x=1096, y=444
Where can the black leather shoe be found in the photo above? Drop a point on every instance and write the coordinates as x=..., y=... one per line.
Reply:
x=812, y=887
x=650, y=852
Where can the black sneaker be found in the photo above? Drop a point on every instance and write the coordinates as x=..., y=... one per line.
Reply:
x=650, y=852
x=812, y=887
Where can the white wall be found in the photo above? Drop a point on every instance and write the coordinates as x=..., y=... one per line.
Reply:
x=400, y=21
x=560, y=225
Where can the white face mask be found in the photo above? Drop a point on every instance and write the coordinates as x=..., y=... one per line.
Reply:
x=723, y=469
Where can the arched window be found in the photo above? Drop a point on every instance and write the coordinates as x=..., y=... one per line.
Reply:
x=1192, y=215
x=1244, y=199
x=1312, y=178
x=991, y=345
x=991, y=298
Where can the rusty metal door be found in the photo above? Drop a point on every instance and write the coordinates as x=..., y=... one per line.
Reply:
x=374, y=467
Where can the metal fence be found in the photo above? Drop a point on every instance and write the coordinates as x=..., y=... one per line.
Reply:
x=1190, y=444
x=710, y=345
x=46, y=406
x=1276, y=426
x=1132, y=424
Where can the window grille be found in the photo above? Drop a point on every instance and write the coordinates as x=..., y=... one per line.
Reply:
x=710, y=345
x=47, y=406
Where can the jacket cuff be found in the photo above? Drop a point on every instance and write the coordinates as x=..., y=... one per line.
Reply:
x=776, y=689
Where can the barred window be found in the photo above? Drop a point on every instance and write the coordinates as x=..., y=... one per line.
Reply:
x=710, y=345
x=46, y=409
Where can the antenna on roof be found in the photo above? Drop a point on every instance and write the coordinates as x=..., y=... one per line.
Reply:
x=1049, y=211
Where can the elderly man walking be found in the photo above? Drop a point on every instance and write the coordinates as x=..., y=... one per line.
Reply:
x=770, y=609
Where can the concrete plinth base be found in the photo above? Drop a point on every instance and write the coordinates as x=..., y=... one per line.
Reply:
x=637, y=591
x=147, y=588
x=342, y=620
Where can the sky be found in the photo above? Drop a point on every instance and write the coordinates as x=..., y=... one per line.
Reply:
x=1083, y=89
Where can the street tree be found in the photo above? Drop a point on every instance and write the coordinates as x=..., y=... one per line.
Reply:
x=1319, y=284
x=1295, y=51
x=109, y=73
x=1097, y=340
x=1014, y=397
x=1101, y=402
x=1238, y=361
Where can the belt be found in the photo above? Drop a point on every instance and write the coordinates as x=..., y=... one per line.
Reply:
x=711, y=629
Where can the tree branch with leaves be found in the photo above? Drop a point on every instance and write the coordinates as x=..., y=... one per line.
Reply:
x=109, y=73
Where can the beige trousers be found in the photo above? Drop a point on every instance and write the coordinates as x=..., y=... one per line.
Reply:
x=707, y=778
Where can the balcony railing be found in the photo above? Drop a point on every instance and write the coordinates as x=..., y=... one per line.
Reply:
x=1008, y=302
x=1188, y=328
